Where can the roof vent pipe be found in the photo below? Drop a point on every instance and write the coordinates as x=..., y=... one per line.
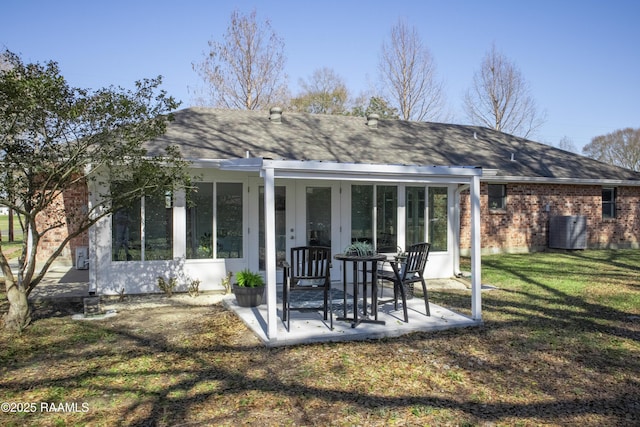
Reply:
x=513, y=157
x=275, y=114
x=372, y=120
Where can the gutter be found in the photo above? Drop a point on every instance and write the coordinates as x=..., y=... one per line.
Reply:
x=487, y=177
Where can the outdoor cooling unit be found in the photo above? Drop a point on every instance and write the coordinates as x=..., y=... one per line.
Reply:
x=568, y=232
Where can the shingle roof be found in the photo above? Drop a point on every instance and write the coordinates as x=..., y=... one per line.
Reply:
x=204, y=133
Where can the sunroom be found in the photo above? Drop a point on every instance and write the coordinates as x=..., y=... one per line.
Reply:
x=248, y=213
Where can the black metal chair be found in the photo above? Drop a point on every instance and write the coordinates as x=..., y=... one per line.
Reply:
x=307, y=270
x=406, y=273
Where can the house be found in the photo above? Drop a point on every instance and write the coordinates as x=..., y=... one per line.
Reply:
x=267, y=181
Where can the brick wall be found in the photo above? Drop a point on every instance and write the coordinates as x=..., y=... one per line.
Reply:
x=523, y=225
x=67, y=209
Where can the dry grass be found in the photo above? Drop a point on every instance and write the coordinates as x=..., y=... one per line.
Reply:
x=560, y=346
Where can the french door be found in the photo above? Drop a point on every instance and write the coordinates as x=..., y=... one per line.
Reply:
x=306, y=213
x=318, y=216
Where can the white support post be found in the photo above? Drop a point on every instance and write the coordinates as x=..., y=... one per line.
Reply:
x=270, y=252
x=476, y=274
x=179, y=225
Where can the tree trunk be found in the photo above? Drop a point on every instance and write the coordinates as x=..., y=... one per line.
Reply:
x=19, y=315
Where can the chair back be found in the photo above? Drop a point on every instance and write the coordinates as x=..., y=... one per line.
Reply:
x=417, y=255
x=310, y=266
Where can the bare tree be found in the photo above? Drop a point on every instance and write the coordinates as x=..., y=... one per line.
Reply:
x=323, y=93
x=500, y=98
x=408, y=74
x=567, y=144
x=246, y=70
x=619, y=148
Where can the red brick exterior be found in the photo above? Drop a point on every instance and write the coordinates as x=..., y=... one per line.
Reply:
x=72, y=202
x=523, y=225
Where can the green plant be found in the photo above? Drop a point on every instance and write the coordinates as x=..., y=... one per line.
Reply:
x=402, y=254
x=167, y=287
x=359, y=249
x=249, y=279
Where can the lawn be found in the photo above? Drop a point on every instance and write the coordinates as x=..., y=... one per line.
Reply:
x=4, y=227
x=10, y=249
x=560, y=346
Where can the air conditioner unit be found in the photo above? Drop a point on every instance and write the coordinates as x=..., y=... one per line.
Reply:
x=82, y=258
x=568, y=232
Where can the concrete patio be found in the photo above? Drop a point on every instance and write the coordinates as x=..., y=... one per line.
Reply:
x=310, y=327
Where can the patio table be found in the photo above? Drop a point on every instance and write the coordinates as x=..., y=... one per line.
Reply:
x=366, y=264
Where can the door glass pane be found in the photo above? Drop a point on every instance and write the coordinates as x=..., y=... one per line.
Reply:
x=200, y=222
x=415, y=215
x=281, y=226
x=229, y=220
x=387, y=220
x=438, y=218
x=319, y=216
x=362, y=213
x=158, y=227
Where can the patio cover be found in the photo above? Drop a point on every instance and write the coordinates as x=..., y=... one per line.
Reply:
x=270, y=170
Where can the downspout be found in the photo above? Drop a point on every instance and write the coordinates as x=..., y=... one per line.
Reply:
x=457, y=220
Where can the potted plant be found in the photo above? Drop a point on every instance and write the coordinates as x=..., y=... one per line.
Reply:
x=248, y=288
x=359, y=249
x=401, y=256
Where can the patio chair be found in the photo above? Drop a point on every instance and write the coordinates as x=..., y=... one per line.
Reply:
x=406, y=273
x=307, y=270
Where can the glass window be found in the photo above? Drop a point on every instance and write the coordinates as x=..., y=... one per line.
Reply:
x=438, y=218
x=497, y=196
x=200, y=221
x=146, y=223
x=125, y=233
x=362, y=213
x=319, y=216
x=415, y=211
x=158, y=227
x=608, y=203
x=387, y=218
x=229, y=220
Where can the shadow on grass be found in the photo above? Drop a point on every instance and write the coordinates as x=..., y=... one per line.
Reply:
x=176, y=401
x=217, y=372
x=540, y=302
x=574, y=361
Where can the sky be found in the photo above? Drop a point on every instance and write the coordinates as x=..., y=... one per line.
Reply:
x=580, y=58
